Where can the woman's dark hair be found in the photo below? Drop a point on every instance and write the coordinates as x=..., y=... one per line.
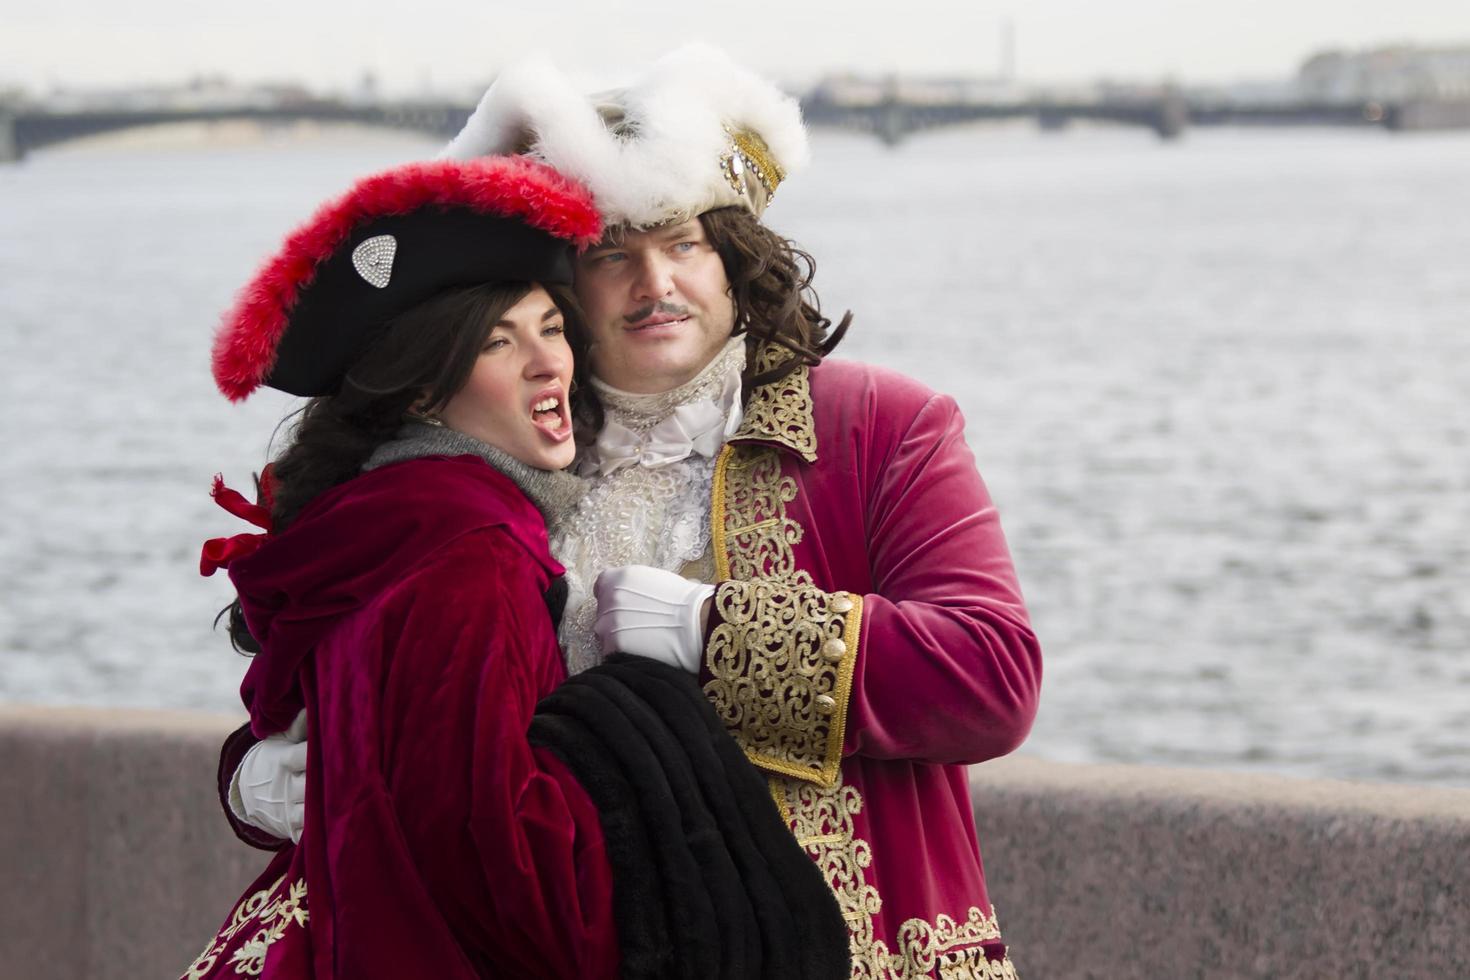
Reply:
x=771, y=286
x=420, y=360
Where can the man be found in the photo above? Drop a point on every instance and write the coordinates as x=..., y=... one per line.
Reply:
x=811, y=537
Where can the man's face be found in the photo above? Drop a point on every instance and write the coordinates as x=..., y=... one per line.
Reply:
x=658, y=306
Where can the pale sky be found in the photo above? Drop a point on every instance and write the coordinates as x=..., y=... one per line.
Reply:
x=330, y=43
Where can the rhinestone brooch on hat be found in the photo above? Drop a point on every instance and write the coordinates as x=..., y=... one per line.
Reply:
x=373, y=259
x=749, y=152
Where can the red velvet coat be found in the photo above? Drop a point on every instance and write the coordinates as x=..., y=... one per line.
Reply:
x=868, y=641
x=405, y=611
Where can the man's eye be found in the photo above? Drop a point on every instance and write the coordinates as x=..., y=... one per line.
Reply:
x=684, y=246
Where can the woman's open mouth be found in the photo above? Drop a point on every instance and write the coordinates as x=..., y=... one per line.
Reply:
x=551, y=415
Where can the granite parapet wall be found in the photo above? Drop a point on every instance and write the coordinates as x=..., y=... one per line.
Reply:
x=1160, y=873
x=118, y=864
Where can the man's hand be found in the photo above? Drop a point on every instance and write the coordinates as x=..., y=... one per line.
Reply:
x=652, y=613
x=269, y=787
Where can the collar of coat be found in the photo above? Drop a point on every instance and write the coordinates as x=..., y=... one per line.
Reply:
x=780, y=413
x=355, y=542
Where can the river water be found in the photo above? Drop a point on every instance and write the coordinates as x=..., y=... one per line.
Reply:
x=1218, y=389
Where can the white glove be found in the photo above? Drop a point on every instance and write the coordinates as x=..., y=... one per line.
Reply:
x=652, y=613
x=268, y=790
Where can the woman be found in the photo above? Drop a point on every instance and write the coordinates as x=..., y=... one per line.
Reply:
x=401, y=597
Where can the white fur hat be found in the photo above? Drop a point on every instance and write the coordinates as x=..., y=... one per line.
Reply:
x=695, y=132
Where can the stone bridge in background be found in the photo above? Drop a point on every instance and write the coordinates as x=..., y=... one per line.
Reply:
x=1169, y=115
x=25, y=130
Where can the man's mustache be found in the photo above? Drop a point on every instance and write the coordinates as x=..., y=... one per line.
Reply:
x=674, y=309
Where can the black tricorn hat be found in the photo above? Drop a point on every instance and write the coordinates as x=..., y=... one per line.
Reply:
x=391, y=242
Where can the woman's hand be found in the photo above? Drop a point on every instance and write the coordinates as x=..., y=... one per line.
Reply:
x=652, y=613
x=269, y=788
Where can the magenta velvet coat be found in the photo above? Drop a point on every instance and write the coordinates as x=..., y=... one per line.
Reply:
x=868, y=641
x=405, y=611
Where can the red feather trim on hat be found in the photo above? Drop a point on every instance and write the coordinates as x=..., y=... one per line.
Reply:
x=511, y=187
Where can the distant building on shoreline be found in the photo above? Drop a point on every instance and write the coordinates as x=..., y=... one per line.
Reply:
x=1401, y=73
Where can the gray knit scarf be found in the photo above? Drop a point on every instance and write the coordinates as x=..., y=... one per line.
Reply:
x=554, y=492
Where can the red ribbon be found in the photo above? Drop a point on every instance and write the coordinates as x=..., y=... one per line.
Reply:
x=220, y=552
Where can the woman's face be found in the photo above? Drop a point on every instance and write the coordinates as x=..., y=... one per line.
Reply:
x=516, y=397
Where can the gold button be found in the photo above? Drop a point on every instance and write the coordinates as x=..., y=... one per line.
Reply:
x=825, y=704
x=834, y=650
x=842, y=604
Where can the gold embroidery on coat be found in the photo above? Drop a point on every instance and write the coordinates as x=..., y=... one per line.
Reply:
x=781, y=411
x=782, y=660
x=923, y=947
x=274, y=913
x=752, y=536
x=777, y=788
x=822, y=820
x=972, y=964
x=781, y=666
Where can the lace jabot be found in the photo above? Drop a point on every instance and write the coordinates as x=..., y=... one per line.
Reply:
x=649, y=501
x=653, y=430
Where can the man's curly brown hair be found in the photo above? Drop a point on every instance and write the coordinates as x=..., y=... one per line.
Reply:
x=771, y=284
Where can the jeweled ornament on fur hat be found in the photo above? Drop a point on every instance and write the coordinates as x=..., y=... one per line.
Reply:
x=393, y=241
x=694, y=133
